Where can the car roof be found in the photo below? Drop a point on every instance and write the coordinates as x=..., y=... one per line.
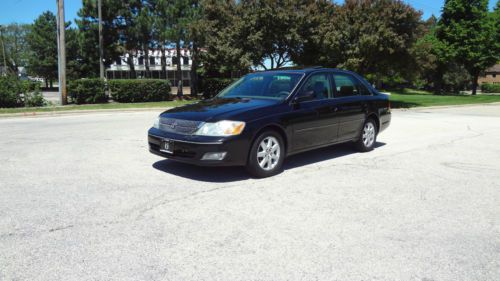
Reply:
x=306, y=69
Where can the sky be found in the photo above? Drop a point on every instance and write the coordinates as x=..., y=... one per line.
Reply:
x=26, y=11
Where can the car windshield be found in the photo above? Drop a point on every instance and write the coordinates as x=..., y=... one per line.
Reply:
x=265, y=85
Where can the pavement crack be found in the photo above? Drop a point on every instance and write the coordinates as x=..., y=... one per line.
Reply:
x=169, y=201
x=61, y=228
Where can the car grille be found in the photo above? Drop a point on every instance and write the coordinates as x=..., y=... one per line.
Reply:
x=179, y=126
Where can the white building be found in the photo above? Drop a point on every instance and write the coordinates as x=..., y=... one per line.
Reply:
x=121, y=70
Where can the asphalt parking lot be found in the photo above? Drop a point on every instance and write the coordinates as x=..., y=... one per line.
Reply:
x=81, y=198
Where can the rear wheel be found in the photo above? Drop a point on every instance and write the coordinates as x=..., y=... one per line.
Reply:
x=266, y=155
x=368, y=136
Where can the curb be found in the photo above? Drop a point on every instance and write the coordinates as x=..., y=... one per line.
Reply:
x=446, y=106
x=77, y=112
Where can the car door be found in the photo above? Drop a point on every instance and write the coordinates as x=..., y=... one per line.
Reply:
x=350, y=105
x=314, y=123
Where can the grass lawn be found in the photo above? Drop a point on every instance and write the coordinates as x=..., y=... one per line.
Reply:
x=415, y=98
x=28, y=110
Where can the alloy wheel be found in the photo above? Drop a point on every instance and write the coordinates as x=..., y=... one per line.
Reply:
x=368, y=134
x=268, y=153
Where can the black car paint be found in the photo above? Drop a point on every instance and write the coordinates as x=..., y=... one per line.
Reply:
x=304, y=125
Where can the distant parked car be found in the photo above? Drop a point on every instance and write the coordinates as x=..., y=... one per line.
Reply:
x=263, y=117
x=36, y=79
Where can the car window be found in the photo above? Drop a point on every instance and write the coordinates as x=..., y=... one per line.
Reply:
x=318, y=86
x=269, y=85
x=346, y=85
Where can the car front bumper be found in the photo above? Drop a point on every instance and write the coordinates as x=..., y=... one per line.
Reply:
x=190, y=149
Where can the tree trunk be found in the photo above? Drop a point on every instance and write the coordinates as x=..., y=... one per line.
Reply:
x=146, y=62
x=438, y=81
x=46, y=83
x=163, y=63
x=130, y=62
x=475, y=78
x=51, y=84
x=179, y=70
x=194, y=71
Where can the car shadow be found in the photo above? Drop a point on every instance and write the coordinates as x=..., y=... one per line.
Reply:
x=232, y=174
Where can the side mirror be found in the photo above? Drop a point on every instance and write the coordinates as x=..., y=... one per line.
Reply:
x=304, y=96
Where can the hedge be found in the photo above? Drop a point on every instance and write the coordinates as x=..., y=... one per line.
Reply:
x=212, y=86
x=490, y=88
x=17, y=93
x=140, y=90
x=87, y=91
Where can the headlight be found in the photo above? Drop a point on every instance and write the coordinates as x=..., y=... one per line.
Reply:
x=221, y=128
x=156, y=124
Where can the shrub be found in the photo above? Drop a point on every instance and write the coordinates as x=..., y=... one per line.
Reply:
x=31, y=86
x=87, y=91
x=212, y=86
x=33, y=99
x=490, y=88
x=11, y=91
x=140, y=90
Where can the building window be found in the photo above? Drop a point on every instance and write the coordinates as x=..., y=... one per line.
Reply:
x=141, y=60
x=494, y=75
x=152, y=61
x=185, y=60
x=174, y=60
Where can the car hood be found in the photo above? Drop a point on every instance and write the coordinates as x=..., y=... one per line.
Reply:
x=218, y=109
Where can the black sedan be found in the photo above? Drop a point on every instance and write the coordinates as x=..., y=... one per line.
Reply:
x=263, y=117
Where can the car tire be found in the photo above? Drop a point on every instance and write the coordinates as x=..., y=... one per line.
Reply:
x=368, y=136
x=266, y=155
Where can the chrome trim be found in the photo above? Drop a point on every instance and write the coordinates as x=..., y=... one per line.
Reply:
x=179, y=126
x=315, y=128
x=193, y=142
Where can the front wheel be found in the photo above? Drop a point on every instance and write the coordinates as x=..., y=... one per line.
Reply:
x=368, y=136
x=266, y=155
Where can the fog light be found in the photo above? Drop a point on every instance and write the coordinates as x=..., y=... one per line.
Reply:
x=214, y=156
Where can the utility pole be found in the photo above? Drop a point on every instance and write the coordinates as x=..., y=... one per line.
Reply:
x=4, y=69
x=101, y=51
x=61, y=51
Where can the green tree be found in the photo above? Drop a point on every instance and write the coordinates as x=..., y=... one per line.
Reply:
x=268, y=31
x=431, y=60
x=223, y=53
x=144, y=30
x=42, y=41
x=469, y=35
x=75, y=66
x=195, y=39
x=160, y=30
x=179, y=18
x=88, y=35
x=313, y=23
x=129, y=27
x=14, y=39
x=495, y=22
x=372, y=37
